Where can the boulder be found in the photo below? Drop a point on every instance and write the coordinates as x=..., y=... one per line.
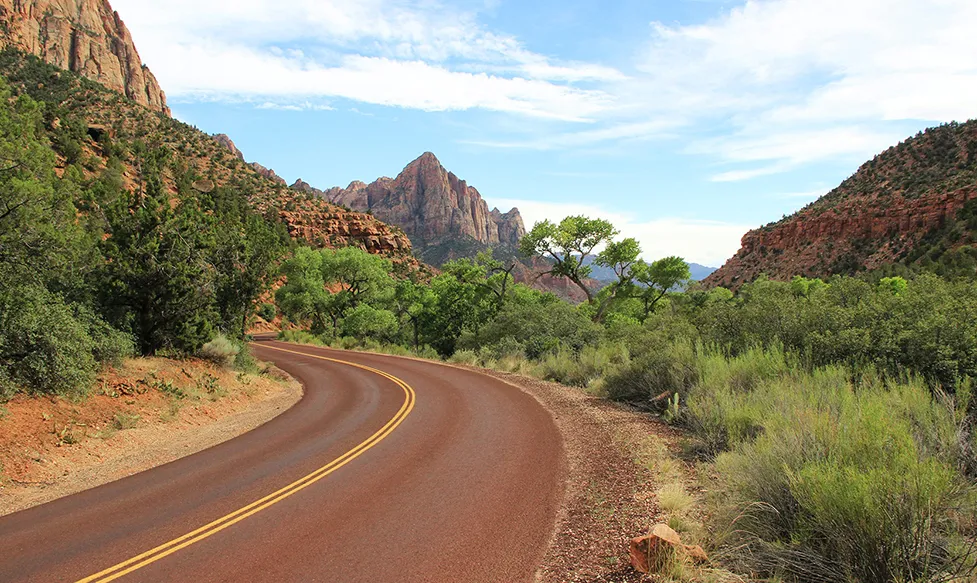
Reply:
x=652, y=552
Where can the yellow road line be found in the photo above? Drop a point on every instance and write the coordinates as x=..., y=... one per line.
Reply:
x=211, y=528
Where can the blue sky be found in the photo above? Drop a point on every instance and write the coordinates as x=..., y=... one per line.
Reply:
x=686, y=122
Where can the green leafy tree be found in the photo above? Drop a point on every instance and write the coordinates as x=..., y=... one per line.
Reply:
x=246, y=259
x=656, y=279
x=323, y=286
x=569, y=245
x=157, y=281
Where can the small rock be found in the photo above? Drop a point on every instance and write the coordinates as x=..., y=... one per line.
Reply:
x=650, y=553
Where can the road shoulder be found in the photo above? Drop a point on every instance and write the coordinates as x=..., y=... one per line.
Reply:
x=145, y=414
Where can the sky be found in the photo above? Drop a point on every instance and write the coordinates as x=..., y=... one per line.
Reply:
x=685, y=122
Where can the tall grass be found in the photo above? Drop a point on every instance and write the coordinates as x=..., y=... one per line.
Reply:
x=826, y=474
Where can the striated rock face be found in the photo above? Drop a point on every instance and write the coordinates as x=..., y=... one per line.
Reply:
x=894, y=209
x=433, y=206
x=225, y=140
x=333, y=227
x=84, y=36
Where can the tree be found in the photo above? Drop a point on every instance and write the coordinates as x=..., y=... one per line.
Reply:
x=621, y=257
x=246, y=258
x=569, y=245
x=658, y=278
x=498, y=275
x=157, y=281
x=322, y=286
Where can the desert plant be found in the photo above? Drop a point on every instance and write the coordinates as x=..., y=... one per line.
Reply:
x=221, y=350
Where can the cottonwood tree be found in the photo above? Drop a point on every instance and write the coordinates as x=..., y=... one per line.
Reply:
x=323, y=286
x=658, y=278
x=571, y=244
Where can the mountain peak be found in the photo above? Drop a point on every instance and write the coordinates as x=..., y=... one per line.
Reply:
x=83, y=36
x=434, y=207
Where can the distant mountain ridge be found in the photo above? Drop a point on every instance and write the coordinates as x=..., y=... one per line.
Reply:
x=440, y=212
x=606, y=274
x=83, y=36
x=914, y=206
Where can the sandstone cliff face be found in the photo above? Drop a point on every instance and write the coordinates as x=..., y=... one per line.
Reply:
x=330, y=226
x=879, y=216
x=84, y=36
x=432, y=205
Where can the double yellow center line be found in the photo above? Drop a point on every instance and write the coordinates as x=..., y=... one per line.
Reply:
x=212, y=528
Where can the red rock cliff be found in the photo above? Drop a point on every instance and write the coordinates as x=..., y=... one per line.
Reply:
x=432, y=205
x=879, y=216
x=84, y=36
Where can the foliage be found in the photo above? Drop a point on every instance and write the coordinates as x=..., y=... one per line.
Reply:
x=571, y=242
x=221, y=351
x=657, y=279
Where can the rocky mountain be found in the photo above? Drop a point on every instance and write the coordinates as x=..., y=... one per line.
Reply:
x=225, y=140
x=115, y=135
x=440, y=213
x=83, y=36
x=912, y=207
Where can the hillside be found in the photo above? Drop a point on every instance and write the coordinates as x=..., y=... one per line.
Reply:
x=443, y=216
x=91, y=125
x=85, y=37
x=910, y=208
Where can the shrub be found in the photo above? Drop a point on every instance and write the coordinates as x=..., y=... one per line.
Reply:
x=650, y=380
x=300, y=337
x=468, y=357
x=268, y=312
x=43, y=346
x=221, y=351
x=836, y=483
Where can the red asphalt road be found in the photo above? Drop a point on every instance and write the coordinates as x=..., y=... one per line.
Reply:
x=465, y=489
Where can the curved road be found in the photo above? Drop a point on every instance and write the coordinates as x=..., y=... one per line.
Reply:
x=387, y=470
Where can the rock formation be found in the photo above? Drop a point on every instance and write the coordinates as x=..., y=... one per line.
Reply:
x=84, y=36
x=889, y=211
x=267, y=173
x=303, y=186
x=225, y=140
x=433, y=206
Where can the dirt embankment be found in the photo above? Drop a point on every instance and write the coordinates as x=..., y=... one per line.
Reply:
x=147, y=413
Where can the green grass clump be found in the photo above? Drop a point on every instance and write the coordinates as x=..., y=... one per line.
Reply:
x=221, y=351
x=828, y=481
x=300, y=337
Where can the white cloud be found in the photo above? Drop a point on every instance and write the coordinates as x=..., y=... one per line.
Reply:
x=384, y=52
x=705, y=242
x=809, y=80
x=766, y=86
x=785, y=83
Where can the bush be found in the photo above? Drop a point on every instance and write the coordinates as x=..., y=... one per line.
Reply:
x=468, y=357
x=245, y=361
x=300, y=337
x=43, y=346
x=828, y=482
x=582, y=369
x=650, y=380
x=268, y=312
x=221, y=351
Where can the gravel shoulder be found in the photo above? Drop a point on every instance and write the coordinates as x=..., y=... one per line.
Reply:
x=145, y=414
